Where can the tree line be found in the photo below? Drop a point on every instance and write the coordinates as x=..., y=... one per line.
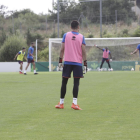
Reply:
x=19, y=28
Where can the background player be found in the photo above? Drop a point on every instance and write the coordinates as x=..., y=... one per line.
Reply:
x=73, y=46
x=106, y=52
x=137, y=49
x=20, y=55
x=30, y=58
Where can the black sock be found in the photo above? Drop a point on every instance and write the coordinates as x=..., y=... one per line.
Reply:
x=109, y=65
x=102, y=64
x=76, y=87
x=63, y=87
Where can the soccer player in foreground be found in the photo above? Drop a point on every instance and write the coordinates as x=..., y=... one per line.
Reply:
x=20, y=55
x=137, y=49
x=73, y=50
x=106, y=52
x=30, y=58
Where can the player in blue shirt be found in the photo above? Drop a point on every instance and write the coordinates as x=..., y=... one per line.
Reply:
x=30, y=58
x=138, y=49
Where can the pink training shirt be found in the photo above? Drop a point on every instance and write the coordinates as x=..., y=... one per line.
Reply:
x=105, y=53
x=73, y=47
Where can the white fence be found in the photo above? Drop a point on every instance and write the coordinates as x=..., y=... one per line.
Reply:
x=12, y=67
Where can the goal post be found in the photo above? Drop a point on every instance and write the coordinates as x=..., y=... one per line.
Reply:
x=120, y=49
x=51, y=42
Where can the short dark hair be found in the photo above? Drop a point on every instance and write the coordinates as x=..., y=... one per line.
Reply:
x=32, y=43
x=23, y=48
x=74, y=24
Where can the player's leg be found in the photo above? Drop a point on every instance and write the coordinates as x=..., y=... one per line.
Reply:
x=34, y=67
x=27, y=66
x=75, y=90
x=67, y=69
x=108, y=63
x=21, y=67
x=63, y=89
x=103, y=60
x=77, y=74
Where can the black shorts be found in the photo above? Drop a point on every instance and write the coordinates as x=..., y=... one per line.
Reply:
x=20, y=62
x=105, y=59
x=30, y=60
x=77, y=71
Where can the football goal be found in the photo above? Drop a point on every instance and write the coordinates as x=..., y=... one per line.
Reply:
x=120, y=49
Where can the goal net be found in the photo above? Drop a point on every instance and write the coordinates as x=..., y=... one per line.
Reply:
x=120, y=49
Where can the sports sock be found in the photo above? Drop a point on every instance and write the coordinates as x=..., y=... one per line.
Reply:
x=25, y=71
x=63, y=87
x=61, y=101
x=76, y=87
x=75, y=101
x=109, y=65
x=34, y=71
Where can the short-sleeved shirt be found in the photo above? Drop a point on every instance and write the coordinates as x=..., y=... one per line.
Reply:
x=138, y=48
x=30, y=50
x=73, y=60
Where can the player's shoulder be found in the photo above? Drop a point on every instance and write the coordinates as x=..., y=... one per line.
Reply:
x=138, y=47
x=67, y=33
x=81, y=35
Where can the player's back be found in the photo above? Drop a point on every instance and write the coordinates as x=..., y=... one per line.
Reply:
x=73, y=47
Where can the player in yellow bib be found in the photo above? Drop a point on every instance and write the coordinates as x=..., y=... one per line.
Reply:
x=20, y=55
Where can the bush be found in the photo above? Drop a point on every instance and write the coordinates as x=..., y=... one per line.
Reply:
x=11, y=47
x=125, y=31
x=54, y=35
x=43, y=55
x=90, y=36
x=105, y=32
x=107, y=35
x=2, y=37
x=62, y=33
x=137, y=33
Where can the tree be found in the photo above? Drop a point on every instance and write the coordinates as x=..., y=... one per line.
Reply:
x=91, y=10
x=2, y=37
x=32, y=37
x=11, y=46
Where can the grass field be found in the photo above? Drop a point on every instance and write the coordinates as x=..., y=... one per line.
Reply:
x=110, y=103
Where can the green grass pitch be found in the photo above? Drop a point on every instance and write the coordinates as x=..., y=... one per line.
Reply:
x=110, y=103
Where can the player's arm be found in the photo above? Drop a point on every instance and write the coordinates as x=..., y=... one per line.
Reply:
x=84, y=52
x=30, y=53
x=16, y=56
x=61, y=54
x=25, y=58
x=84, y=57
x=98, y=47
x=110, y=56
x=134, y=52
x=62, y=50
